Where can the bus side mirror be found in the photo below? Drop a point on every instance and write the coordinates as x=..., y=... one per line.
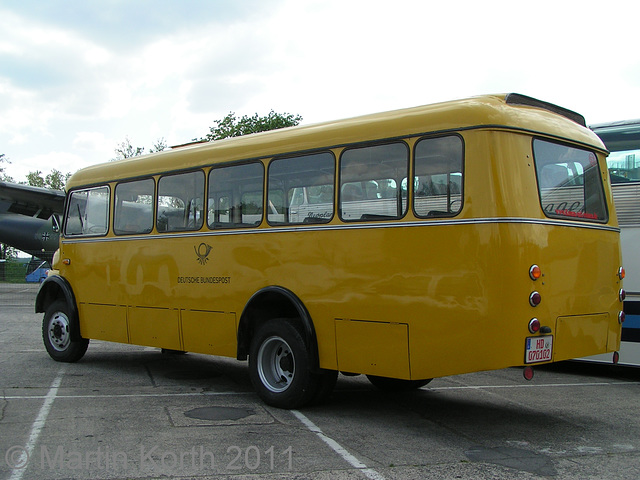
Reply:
x=55, y=223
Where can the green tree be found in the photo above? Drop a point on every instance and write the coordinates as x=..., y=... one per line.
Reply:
x=3, y=175
x=126, y=150
x=54, y=180
x=6, y=252
x=160, y=145
x=231, y=126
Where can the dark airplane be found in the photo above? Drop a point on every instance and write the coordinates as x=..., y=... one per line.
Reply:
x=26, y=221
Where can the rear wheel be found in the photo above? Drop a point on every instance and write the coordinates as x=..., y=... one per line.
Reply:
x=57, y=333
x=396, y=384
x=280, y=367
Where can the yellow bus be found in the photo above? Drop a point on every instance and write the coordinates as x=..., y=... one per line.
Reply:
x=458, y=237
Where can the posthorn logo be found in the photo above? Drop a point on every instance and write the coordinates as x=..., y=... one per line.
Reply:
x=202, y=251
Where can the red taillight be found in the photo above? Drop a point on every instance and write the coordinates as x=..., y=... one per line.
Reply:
x=616, y=358
x=535, y=272
x=622, y=294
x=535, y=299
x=621, y=317
x=527, y=373
x=534, y=325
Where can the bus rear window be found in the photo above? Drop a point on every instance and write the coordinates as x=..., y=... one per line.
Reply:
x=569, y=182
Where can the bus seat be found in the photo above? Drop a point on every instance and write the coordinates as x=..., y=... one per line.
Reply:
x=554, y=176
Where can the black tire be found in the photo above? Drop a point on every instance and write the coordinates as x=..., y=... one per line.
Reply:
x=57, y=331
x=280, y=365
x=396, y=384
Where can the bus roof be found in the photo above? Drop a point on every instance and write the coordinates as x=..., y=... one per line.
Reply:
x=502, y=110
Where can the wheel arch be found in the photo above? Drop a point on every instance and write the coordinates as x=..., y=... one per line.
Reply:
x=275, y=302
x=55, y=288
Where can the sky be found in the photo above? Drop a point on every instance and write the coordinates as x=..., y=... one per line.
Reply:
x=78, y=77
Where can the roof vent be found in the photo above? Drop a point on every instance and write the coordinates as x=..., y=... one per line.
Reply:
x=517, y=99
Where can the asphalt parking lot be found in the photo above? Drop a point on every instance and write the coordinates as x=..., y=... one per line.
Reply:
x=128, y=412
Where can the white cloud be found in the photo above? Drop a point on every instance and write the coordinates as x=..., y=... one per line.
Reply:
x=89, y=141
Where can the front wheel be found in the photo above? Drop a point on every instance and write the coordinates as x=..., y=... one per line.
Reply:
x=280, y=365
x=57, y=333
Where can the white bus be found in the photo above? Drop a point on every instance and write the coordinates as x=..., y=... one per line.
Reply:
x=622, y=139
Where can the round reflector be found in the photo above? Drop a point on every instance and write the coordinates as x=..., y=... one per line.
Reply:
x=621, y=317
x=534, y=325
x=535, y=299
x=621, y=273
x=616, y=358
x=527, y=373
x=622, y=294
x=535, y=272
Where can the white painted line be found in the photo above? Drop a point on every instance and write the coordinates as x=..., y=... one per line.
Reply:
x=127, y=395
x=531, y=385
x=36, y=428
x=339, y=449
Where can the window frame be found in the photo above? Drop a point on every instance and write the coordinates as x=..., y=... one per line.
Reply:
x=70, y=195
x=578, y=216
x=158, y=194
x=153, y=206
x=321, y=220
x=232, y=225
x=371, y=216
x=462, y=179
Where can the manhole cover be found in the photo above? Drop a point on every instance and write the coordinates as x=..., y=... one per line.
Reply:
x=219, y=413
x=517, y=458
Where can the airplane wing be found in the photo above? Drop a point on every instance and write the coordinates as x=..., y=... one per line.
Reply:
x=30, y=201
x=24, y=214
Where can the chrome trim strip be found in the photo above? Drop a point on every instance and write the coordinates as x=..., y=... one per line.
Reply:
x=346, y=226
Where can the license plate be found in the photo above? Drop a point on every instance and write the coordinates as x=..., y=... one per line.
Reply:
x=538, y=349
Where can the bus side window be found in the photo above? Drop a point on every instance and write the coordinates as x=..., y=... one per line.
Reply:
x=134, y=207
x=300, y=189
x=438, y=177
x=369, y=182
x=235, y=196
x=180, y=205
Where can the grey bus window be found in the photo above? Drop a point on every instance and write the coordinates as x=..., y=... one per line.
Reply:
x=300, y=189
x=133, y=211
x=371, y=182
x=88, y=212
x=569, y=182
x=235, y=196
x=438, y=178
x=180, y=202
